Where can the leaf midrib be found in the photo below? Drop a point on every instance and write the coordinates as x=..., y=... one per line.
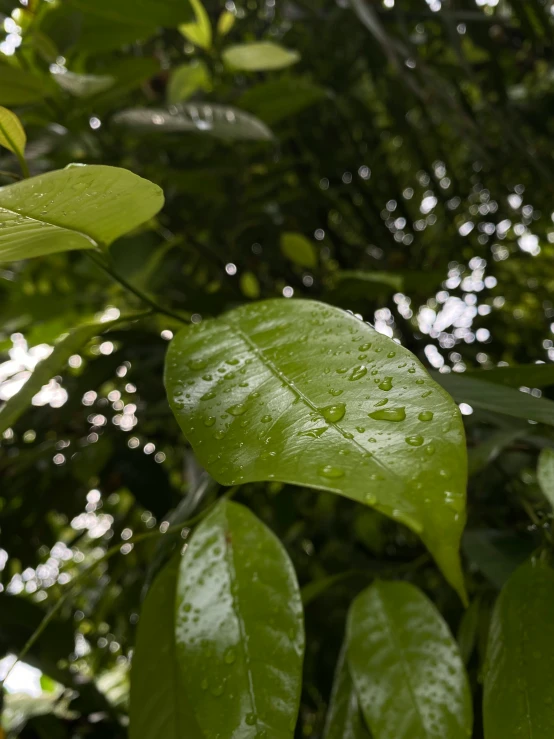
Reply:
x=296, y=391
x=50, y=223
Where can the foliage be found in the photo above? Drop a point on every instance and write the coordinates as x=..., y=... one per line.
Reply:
x=274, y=277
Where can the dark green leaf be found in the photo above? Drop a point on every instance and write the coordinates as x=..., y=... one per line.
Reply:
x=486, y=452
x=159, y=703
x=406, y=666
x=300, y=392
x=18, y=87
x=344, y=718
x=277, y=99
x=523, y=375
x=496, y=553
x=299, y=249
x=239, y=628
x=545, y=474
x=519, y=671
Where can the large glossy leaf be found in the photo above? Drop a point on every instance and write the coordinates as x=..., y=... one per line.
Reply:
x=277, y=99
x=159, y=704
x=344, y=718
x=239, y=628
x=492, y=397
x=47, y=369
x=220, y=121
x=519, y=675
x=300, y=392
x=406, y=666
x=545, y=474
x=259, y=56
x=75, y=208
x=18, y=87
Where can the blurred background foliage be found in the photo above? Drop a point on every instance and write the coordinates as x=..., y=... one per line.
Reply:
x=393, y=158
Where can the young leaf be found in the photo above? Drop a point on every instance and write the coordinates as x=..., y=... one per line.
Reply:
x=49, y=368
x=344, y=718
x=83, y=85
x=299, y=249
x=225, y=22
x=406, y=666
x=185, y=80
x=12, y=133
x=519, y=669
x=199, y=32
x=545, y=474
x=220, y=121
x=259, y=56
x=75, y=208
x=239, y=627
x=301, y=392
x=491, y=397
x=159, y=704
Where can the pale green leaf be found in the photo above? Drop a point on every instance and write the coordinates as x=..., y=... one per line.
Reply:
x=82, y=85
x=545, y=474
x=220, y=121
x=159, y=706
x=274, y=100
x=49, y=368
x=225, y=23
x=304, y=393
x=79, y=207
x=12, y=133
x=344, y=718
x=298, y=249
x=187, y=79
x=406, y=666
x=519, y=669
x=239, y=628
x=199, y=32
x=250, y=285
x=492, y=397
x=259, y=56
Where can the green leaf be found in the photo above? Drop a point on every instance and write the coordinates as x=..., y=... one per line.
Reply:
x=496, y=553
x=522, y=375
x=545, y=474
x=259, y=56
x=159, y=704
x=49, y=368
x=239, y=627
x=12, y=133
x=82, y=85
x=187, y=79
x=250, y=285
x=18, y=87
x=277, y=99
x=406, y=666
x=145, y=13
x=344, y=719
x=519, y=671
x=486, y=452
x=386, y=279
x=199, y=32
x=304, y=393
x=79, y=207
x=468, y=630
x=491, y=397
x=225, y=23
x=299, y=249
x=220, y=121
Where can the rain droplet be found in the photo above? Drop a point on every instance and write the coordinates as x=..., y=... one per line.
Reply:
x=390, y=355
x=386, y=384
x=197, y=364
x=358, y=373
x=389, y=414
x=230, y=656
x=335, y=393
x=208, y=396
x=333, y=413
x=342, y=370
x=219, y=434
x=209, y=421
x=370, y=499
x=364, y=347
x=415, y=440
x=207, y=378
x=426, y=416
x=266, y=419
x=314, y=433
x=250, y=719
x=237, y=410
x=331, y=472
x=381, y=402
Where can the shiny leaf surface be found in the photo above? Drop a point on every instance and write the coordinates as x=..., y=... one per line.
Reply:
x=159, y=704
x=519, y=672
x=259, y=56
x=75, y=208
x=220, y=121
x=301, y=392
x=406, y=666
x=239, y=628
x=344, y=718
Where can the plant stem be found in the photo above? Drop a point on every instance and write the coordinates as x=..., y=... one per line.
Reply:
x=136, y=292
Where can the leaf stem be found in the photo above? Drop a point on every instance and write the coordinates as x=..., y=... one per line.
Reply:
x=97, y=259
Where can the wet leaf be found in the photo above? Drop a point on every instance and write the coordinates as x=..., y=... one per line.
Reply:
x=300, y=392
x=298, y=249
x=545, y=474
x=406, y=666
x=239, y=627
x=12, y=133
x=75, y=208
x=220, y=121
x=159, y=703
x=259, y=56
x=519, y=670
x=344, y=718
